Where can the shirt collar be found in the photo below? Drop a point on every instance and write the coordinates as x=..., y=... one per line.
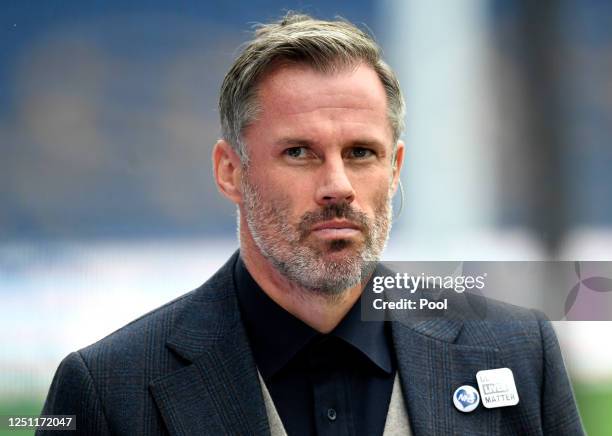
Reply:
x=276, y=336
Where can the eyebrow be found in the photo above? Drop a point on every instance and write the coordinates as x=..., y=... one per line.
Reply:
x=295, y=142
x=298, y=142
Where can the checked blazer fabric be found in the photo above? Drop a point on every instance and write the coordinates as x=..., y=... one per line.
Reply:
x=186, y=369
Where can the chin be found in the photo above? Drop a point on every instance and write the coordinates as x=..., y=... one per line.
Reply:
x=340, y=245
x=341, y=251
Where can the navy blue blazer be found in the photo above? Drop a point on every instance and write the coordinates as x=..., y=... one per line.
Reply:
x=187, y=369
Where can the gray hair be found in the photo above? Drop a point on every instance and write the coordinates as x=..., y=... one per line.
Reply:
x=324, y=45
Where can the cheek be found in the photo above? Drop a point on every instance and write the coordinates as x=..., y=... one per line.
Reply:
x=283, y=199
x=295, y=191
x=372, y=194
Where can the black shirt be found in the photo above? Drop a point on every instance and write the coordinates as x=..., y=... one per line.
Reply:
x=325, y=384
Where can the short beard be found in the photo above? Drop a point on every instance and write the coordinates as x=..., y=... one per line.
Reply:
x=286, y=248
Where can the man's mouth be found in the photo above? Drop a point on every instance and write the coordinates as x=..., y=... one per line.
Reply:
x=336, y=229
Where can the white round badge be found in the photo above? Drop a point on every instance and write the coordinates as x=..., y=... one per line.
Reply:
x=466, y=398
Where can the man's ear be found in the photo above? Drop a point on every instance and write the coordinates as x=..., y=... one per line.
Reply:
x=228, y=170
x=397, y=163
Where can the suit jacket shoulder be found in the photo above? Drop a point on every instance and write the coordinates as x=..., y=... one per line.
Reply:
x=126, y=382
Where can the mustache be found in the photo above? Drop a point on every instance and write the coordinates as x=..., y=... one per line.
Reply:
x=330, y=211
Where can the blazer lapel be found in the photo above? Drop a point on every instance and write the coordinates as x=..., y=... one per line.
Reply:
x=431, y=368
x=218, y=391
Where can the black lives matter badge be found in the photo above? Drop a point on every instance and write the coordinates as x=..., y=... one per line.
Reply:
x=497, y=388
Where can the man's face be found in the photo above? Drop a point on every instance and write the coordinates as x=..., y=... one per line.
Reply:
x=317, y=189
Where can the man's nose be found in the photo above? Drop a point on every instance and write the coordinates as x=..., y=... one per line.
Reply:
x=334, y=186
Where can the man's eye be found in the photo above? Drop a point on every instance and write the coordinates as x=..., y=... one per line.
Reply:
x=360, y=153
x=296, y=152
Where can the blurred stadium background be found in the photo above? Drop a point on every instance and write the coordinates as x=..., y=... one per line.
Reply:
x=108, y=117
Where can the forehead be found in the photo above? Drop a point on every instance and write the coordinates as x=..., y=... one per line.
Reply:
x=354, y=95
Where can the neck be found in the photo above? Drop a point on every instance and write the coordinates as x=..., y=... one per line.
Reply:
x=321, y=312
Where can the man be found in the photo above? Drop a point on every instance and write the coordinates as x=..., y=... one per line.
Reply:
x=273, y=343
